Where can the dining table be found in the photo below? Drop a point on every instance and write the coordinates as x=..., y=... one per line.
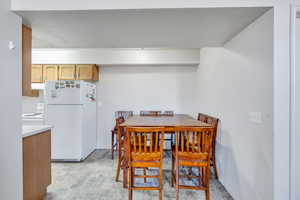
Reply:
x=177, y=120
x=170, y=122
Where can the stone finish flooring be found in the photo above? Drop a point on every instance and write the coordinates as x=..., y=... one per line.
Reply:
x=94, y=179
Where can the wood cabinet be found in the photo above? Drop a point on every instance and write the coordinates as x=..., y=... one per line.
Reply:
x=66, y=72
x=87, y=72
x=50, y=72
x=36, y=165
x=37, y=74
x=41, y=73
x=26, y=61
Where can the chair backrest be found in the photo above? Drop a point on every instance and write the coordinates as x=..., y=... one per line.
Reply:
x=145, y=140
x=120, y=129
x=168, y=113
x=150, y=112
x=194, y=141
x=209, y=119
x=125, y=114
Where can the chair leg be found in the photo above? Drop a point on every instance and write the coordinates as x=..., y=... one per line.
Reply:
x=130, y=184
x=112, y=144
x=207, y=183
x=119, y=166
x=125, y=177
x=177, y=182
x=172, y=172
x=207, y=194
x=190, y=173
x=145, y=173
x=215, y=165
x=118, y=171
x=160, y=183
x=200, y=175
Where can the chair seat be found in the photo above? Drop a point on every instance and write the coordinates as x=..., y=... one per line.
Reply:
x=153, y=156
x=191, y=159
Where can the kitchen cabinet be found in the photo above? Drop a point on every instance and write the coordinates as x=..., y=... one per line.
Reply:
x=87, y=72
x=26, y=61
x=37, y=74
x=50, y=72
x=36, y=165
x=66, y=72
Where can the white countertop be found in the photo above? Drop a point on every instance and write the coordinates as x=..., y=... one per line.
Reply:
x=35, y=129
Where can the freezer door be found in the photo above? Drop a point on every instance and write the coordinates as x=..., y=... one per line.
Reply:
x=87, y=92
x=66, y=134
x=62, y=92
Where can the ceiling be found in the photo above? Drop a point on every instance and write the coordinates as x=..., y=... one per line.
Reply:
x=168, y=28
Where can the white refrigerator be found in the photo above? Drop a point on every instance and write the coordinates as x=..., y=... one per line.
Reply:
x=70, y=106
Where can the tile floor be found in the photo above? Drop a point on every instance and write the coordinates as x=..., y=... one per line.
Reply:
x=93, y=179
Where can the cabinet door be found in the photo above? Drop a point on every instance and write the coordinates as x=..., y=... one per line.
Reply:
x=26, y=60
x=50, y=72
x=36, y=165
x=66, y=72
x=30, y=150
x=87, y=72
x=44, y=160
x=37, y=73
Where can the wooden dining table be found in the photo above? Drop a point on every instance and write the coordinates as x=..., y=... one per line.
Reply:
x=169, y=122
x=178, y=120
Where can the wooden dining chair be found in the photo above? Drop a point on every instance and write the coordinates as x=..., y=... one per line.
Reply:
x=214, y=122
x=114, y=131
x=150, y=113
x=121, y=147
x=192, y=149
x=168, y=113
x=145, y=150
x=125, y=114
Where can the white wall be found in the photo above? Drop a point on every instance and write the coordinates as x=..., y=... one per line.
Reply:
x=233, y=82
x=10, y=105
x=29, y=104
x=131, y=79
x=295, y=136
x=143, y=88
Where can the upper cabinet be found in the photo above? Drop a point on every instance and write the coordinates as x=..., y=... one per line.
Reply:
x=37, y=74
x=67, y=72
x=41, y=73
x=50, y=72
x=87, y=72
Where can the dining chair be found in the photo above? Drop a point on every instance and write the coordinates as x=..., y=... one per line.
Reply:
x=150, y=113
x=144, y=148
x=114, y=131
x=125, y=114
x=192, y=149
x=169, y=136
x=168, y=113
x=214, y=122
x=121, y=148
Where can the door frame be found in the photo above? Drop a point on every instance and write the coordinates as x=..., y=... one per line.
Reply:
x=293, y=170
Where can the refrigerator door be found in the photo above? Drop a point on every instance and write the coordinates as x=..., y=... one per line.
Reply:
x=89, y=129
x=89, y=119
x=62, y=92
x=66, y=134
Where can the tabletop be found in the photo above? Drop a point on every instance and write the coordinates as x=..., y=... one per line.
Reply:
x=164, y=121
